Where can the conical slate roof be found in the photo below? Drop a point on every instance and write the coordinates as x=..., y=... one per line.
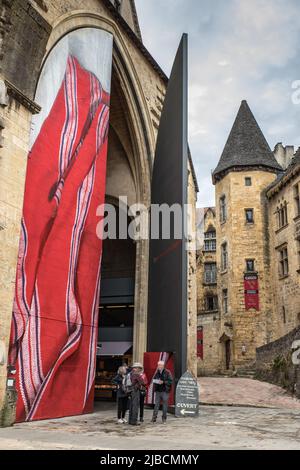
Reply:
x=246, y=145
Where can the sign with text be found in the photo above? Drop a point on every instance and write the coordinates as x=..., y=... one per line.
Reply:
x=187, y=397
x=251, y=291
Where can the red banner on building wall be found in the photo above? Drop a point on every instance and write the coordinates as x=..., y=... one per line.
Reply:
x=55, y=315
x=200, y=343
x=251, y=291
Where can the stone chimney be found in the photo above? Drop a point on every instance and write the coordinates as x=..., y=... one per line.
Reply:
x=283, y=154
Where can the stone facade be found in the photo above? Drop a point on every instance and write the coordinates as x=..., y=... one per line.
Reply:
x=28, y=31
x=285, y=233
x=207, y=295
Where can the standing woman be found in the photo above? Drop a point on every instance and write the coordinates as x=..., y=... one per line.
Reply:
x=143, y=393
x=122, y=398
x=137, y=383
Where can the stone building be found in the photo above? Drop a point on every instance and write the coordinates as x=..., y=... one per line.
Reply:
x=207, y=295
x=29, y=30
x=284, y=221
x=257, y=254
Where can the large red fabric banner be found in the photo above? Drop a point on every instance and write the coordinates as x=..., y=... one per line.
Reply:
x=55, y=315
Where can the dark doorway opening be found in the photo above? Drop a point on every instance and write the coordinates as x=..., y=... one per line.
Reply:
x=227, y=354
x=116, y=312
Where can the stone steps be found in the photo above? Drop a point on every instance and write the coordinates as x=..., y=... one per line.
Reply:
x=246, y=373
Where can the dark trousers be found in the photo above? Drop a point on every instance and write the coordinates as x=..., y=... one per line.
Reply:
x=122, y=407
x=142, y=404
x=134, y=405
x=164, y=398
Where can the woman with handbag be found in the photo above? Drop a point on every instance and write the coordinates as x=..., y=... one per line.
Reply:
x=122, y=397
x=143, y=393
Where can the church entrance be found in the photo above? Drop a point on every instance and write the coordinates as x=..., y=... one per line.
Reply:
x=116, y=313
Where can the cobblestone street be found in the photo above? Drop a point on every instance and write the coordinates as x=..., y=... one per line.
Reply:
x=273, y=424
x=246, y=392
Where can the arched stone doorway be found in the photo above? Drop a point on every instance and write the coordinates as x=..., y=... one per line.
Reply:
x=132, y=123
x=118, y=323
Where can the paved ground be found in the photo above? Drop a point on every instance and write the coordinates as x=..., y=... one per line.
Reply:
x=216, y=428
x=271, y=421
x=246, y=392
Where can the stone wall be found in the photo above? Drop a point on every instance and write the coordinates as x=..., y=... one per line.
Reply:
x=208, y=321
x=25, y=30
x=274, y=363
x=286, y=289
x=13, y=158
x=212, y=348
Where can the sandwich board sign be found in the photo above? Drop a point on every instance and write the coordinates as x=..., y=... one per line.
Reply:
x=187, y=397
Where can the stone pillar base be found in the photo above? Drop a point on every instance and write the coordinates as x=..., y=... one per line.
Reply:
x=8, y=411
x=297, y=391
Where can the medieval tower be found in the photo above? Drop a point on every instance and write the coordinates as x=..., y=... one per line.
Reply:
x=246, y=168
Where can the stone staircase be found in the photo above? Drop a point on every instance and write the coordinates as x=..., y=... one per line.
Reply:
x=246, y=373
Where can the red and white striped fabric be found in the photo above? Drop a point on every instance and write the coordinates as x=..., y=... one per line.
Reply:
x=55, y=315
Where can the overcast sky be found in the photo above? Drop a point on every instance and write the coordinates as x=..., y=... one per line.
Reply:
x=238, y=49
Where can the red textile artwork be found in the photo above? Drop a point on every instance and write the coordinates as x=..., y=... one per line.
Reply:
x=55, y=315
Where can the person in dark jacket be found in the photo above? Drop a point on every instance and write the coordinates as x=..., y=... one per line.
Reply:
x=137, y=383
x=162, y=386
x=143, y=393
x=122, y=397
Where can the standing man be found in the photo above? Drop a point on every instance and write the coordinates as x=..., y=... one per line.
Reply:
x=136, y=384
x=162, y=386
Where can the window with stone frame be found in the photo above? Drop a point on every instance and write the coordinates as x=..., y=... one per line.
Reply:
x=211, y=303
x=250, y=265
x=248, y=181
x=223, y=209
x=297, y=199
x=225, y=300
x=224, y=256
x=283, y=261
x=210, y=241
x=282, y=215
x=249, y=213
x=210, y=273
